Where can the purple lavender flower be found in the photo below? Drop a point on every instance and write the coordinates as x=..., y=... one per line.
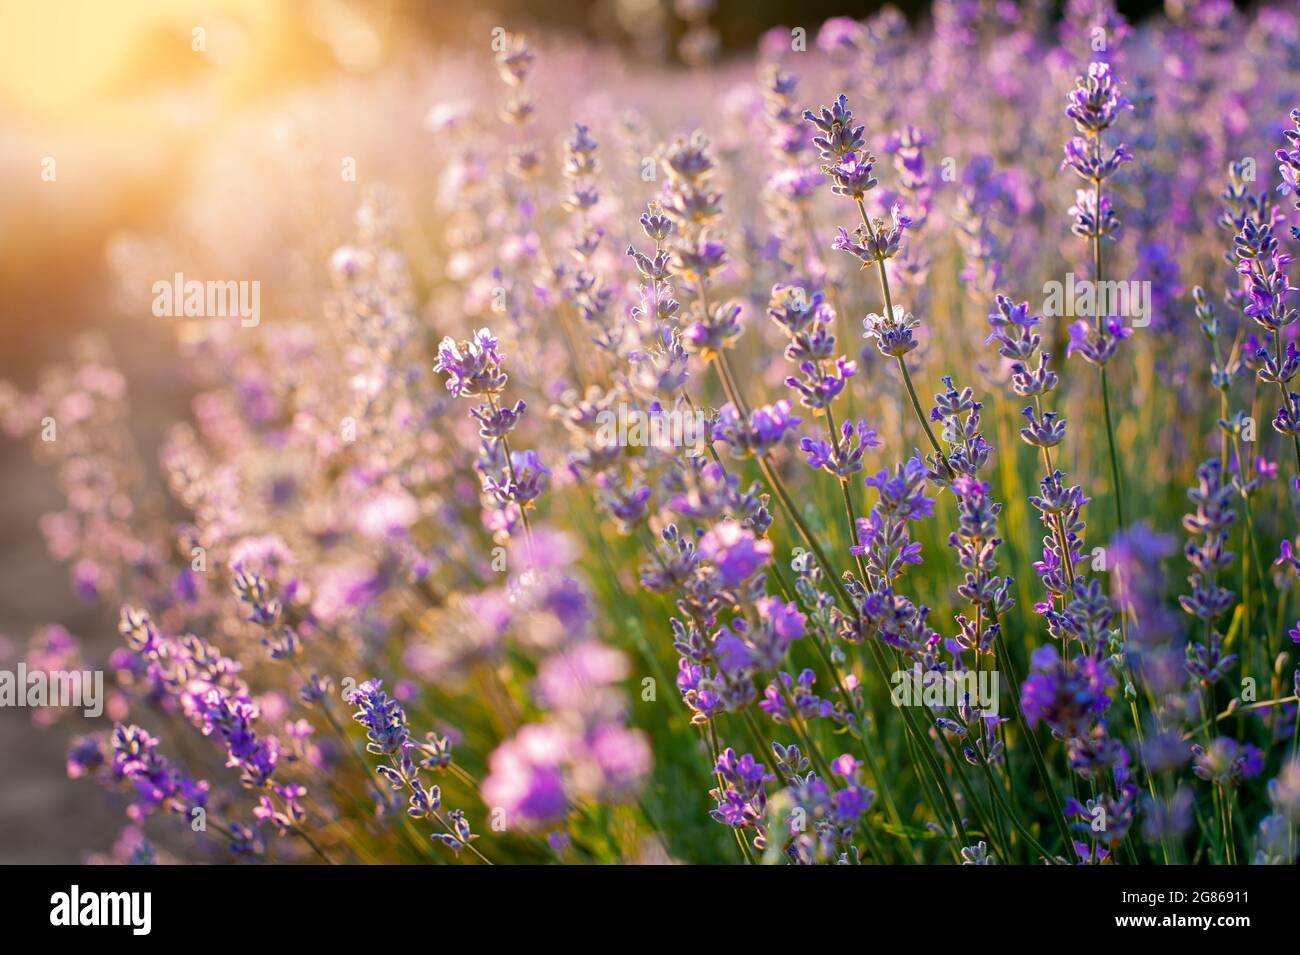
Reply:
x=820, y=385
x=1090, y=163
x=881, y=243
x=157, y=785
x=701, y=259
x=885, y=544
x=808, y=704
x=523, y=481
x=1097, y=344
x=742, y=803
x=839, y=137
x=526, y=777
x=232, y=718
x=892, y=334
x=796, y=312
x=1227, y=762
x=1067, y=695
x=1096, y=102
x=1209, y=555
x=843, y=459
x=383, y=718
x=712, y=330
x=766, y=428
x=1086, y=222
x=472, y=367
x=735, y=552
x=902, y=491
x=762, y=646
x=697, y=688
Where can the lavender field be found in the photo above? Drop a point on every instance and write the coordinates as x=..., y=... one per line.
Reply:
x=874, y=446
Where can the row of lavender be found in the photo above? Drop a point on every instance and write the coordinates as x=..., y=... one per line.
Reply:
x=656, y=641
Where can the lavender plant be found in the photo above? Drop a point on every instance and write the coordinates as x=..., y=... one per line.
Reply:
x=604, y=567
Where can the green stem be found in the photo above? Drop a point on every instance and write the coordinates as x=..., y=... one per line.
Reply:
x=902, y=365
x=1040, y=765
x=1100, y=325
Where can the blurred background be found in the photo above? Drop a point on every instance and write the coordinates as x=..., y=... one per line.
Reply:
x=113, y=116
x=123, y=96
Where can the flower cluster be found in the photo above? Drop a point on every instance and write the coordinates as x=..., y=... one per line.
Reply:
x=508, y=461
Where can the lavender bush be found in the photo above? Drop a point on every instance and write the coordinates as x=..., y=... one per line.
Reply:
x=757, y=463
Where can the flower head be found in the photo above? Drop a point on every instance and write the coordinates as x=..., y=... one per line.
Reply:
x=472, y=367
x=892, y=333
x=1096, y=102
x=735, y=552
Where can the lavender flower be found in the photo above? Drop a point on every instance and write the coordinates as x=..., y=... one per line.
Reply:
x=892, y=333
x=765, y=429
x=1096, y=102
x=1226, y=762
x=472, y=367
x=735, y=552
x=742, y=800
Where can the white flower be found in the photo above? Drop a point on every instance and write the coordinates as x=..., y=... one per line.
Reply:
x=876, y=324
